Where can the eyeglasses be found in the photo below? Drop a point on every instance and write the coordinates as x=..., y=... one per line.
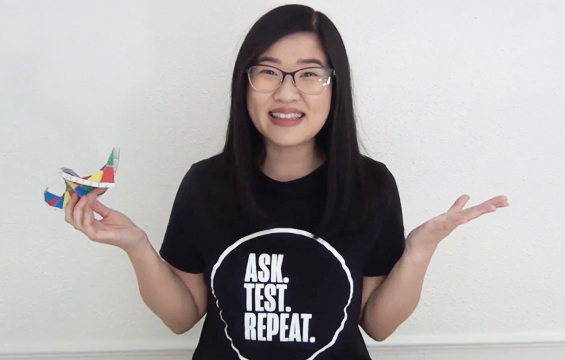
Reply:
x=311, y=80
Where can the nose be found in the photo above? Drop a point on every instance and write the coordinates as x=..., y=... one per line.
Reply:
x=287, y=92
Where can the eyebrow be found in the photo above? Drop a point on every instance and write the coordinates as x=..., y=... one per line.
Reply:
x=300, y=61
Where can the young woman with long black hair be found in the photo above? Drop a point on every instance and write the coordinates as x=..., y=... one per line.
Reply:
x=290, y=239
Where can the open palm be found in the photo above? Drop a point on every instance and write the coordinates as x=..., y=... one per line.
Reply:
x=432, y=232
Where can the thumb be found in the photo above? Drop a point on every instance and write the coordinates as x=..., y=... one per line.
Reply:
x=101, y=209
x=98, y=191
x=459, y=203
x=94, y=194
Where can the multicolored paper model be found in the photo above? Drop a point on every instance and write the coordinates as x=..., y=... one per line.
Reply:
x=74, y=184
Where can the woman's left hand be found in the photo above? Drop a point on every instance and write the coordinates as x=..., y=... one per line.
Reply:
x=426, y=237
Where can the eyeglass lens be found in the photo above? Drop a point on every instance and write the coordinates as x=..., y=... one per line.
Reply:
x=310, y=80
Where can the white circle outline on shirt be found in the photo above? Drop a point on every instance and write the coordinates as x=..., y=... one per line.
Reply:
x=278, y=231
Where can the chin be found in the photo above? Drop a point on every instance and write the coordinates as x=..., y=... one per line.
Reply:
x=288, y=142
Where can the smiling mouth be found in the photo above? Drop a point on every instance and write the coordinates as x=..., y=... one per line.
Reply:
x=290, y=116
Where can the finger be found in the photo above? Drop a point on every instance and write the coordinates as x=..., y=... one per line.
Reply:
x=499, y=201
x=78, y=212
x=478, y=210
x=88, y=215
x=69, y=207
x=88, y=225
x=94, y=193
x=94, y=229
x=97, y=191
x=492, y=204
x=486, y=207
x=101, y=209
x=460, y=203
x=91, y=197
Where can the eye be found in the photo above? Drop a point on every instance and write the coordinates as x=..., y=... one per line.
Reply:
x=312, y=73
x=268, y=72
x=309, y=74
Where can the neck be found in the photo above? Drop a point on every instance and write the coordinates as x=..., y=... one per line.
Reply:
x=290, y=163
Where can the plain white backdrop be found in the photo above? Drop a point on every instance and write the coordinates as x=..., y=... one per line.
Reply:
x=454, y=96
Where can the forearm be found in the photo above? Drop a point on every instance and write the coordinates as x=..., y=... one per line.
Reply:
x=162, y=290
x=396, y=298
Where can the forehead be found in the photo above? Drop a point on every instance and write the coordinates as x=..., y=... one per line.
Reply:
x=294, y=49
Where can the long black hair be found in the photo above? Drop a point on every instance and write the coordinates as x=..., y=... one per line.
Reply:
x=337, y=138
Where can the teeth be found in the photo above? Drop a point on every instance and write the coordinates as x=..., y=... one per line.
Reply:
x=286, y=116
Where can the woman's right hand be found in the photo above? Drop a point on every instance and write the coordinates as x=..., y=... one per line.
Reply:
x=114, y=228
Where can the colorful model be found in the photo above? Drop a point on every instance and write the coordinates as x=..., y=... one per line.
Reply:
x=103, y=178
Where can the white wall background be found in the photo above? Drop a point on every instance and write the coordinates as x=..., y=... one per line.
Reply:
x=456, y=97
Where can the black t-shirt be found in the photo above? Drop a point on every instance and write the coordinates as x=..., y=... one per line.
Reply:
x=281, y=293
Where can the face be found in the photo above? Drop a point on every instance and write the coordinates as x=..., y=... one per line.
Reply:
x=287, y=117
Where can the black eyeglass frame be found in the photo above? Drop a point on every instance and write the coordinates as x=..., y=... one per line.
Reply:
x=291, y=73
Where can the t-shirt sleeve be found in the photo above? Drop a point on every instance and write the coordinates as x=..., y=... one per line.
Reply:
x=179, y=243
x=391, y=241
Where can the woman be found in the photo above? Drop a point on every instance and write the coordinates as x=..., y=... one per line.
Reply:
x=289, y=239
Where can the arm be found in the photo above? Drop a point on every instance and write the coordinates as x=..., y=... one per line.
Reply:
x=391, y=302
x=176, y=297
x=392, y=299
